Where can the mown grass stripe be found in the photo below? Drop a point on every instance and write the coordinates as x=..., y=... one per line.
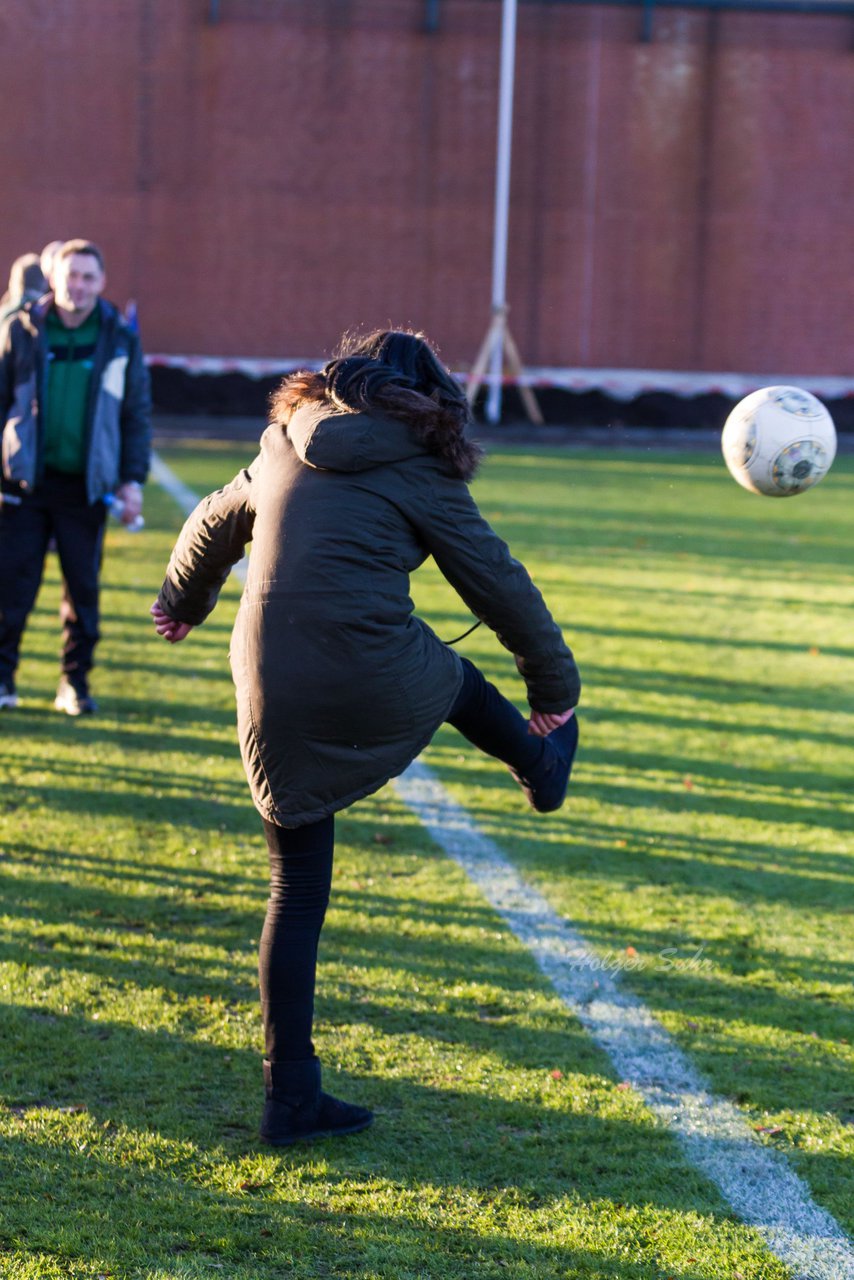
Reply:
x=757, y=1181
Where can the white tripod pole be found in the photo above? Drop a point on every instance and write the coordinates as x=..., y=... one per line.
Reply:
x=498, y=346
x=502, y=209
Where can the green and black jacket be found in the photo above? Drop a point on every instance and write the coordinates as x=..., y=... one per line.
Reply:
x=118, y=409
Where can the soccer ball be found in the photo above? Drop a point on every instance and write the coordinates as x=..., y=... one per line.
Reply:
x=779, y=441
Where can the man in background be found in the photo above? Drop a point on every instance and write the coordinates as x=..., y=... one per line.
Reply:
x=75, y=401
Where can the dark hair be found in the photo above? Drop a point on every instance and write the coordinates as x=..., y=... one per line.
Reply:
x=396, y=373
x=80, y=246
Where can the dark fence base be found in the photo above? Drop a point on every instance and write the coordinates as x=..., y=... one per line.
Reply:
x=236, y=395
x=652, y=411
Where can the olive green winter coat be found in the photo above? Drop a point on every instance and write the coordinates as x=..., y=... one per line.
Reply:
x=339, y=685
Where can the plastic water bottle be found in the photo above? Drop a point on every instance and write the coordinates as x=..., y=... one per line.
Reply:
x=115, y=506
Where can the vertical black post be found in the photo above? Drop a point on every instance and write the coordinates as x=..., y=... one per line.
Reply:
x=646, y=22
x=431, y=15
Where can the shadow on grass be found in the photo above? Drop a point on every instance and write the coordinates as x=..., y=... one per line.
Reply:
x=720, y=790
x=745, y=1070
x=189, y=934
x=42, y=722
x=695, y=513
x=133, y=782
x=179, y=1089
x=699, y=722
x=717, y=790
x=160, y=1124
x=207, y=813
x=671, y=684
x=136, y=662
x=694, y=691
x=749, y=871
x=132, y=938
x=713, y=640
x=88, y=766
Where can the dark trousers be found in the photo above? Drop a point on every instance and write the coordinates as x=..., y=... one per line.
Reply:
x=58, y=509
x=301, y=876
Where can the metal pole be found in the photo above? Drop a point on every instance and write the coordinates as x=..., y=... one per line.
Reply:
x=431, y=16
x=502, y=207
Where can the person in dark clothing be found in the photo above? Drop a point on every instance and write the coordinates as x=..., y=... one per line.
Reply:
x=26, y=284
x=75, y=404
x=362, y=474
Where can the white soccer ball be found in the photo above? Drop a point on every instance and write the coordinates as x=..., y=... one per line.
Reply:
x=779, y=441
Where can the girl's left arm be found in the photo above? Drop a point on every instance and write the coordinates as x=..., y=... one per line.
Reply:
x=498, y=590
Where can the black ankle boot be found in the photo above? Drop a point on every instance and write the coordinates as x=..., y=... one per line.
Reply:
x=546, y=784
x=296, y=1109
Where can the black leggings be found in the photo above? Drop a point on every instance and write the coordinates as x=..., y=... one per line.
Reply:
x=301, y=875
x=60, y=509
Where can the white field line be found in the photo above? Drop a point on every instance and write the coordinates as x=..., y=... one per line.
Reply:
x=756, y=1180
x=717, y=1139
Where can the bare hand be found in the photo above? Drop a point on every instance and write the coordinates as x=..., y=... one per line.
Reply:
x=542, y=723
x=169, y=628
x=130, y=496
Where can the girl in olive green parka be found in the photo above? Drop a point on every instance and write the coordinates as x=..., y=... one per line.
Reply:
x=362, y=475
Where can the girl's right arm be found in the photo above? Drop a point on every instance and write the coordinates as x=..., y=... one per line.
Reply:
x=211, y=542
x=167, y=627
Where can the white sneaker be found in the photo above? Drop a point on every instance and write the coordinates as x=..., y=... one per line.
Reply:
x=74, y=702
x=8, y=697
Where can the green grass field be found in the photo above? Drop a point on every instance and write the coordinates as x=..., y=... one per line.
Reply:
x=706, y=853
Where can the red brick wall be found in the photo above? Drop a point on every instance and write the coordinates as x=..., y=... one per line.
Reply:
x=307, y=165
